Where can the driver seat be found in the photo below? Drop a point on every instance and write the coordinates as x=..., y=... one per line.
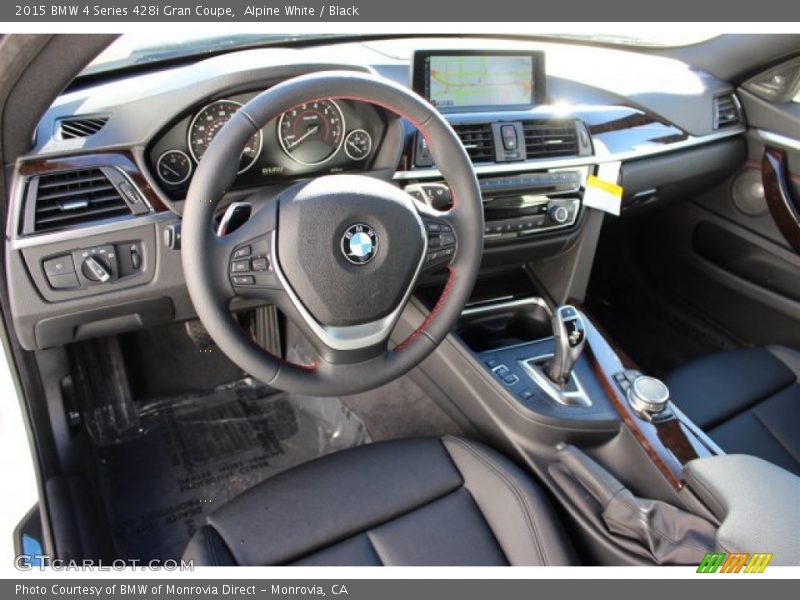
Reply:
x=442, y=501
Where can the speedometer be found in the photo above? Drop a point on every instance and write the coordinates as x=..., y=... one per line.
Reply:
x=312, y=133
x=207, y=123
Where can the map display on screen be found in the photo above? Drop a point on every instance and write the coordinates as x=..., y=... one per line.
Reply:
x=466, y=81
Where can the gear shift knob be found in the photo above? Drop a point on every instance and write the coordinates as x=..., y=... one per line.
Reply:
x=569, y=333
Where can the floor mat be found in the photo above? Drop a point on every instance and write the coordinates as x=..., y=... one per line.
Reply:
x=197, y=452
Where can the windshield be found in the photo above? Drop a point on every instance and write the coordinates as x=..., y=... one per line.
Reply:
x=138, y=49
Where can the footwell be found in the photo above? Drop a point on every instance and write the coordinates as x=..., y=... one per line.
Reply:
x=197, y=452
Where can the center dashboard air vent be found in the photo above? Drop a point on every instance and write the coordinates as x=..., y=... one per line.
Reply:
x=78, y=197
x=550, y=138
x=727, y=111
x=79, y=127
x=478, y=140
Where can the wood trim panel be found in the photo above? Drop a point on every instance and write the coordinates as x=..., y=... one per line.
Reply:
x=121, y=159
x=666, y=443
x=784, y=209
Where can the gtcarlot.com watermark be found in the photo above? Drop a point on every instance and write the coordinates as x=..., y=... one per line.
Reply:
x=29, y=562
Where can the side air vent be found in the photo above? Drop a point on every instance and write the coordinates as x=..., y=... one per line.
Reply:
x=73, y=198
x=727, y=111
x=549, y=138
x=77, y=127
x=478, y=141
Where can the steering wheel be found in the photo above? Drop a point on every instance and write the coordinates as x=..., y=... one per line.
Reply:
x=339, y=254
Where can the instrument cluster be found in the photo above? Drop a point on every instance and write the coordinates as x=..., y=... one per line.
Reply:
x=316, y=138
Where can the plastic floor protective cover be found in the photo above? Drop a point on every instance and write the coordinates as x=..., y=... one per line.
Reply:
x=197, y=452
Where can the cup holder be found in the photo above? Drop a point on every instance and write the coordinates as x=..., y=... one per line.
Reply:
x=503, y=324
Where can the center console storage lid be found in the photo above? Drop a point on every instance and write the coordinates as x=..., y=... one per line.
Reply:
x=757, y=503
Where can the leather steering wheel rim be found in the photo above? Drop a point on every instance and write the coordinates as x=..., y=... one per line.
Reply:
x=206, y=257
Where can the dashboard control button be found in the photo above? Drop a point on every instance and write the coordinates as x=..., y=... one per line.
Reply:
x=59, y=265
x=559, y=214
x=133, y=199
x=172, y=236
x=243, y=280
x=433, y=226
x=501, y=371
x=240, y=266
x=242, y=252
x=96, y=269
x=136, y=258
x=65, y=281
x=260, y=264
x=509, y=135
x=438, y=195
x=417, y=194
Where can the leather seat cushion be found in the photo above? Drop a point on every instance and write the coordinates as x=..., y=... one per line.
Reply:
x=747, y=400
x=409, y=502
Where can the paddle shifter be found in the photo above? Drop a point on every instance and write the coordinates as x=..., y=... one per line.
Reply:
x=570, y=336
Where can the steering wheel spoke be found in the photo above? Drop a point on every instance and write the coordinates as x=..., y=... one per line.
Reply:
x=244, y=258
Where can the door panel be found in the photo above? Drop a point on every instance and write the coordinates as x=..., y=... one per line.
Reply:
x=723, y=252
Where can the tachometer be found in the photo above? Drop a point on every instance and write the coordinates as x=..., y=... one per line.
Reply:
x=207, y=123
x=312, y=133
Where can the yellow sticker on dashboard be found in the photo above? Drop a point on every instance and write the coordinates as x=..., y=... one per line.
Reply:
x=605, y=186
x=602, y=192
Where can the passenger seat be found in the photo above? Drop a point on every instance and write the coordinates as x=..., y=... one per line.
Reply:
x=746, y=400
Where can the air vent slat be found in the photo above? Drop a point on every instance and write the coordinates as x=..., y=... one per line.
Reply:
x=74, y=198
x=726, y=111
x=65, y=207
x=76, y=127
x=478, y=141
x=74, y=218
x=545, y=139
x=76, y=180
x=69, y=192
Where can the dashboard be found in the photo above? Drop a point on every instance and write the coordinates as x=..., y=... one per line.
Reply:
x=93, y=232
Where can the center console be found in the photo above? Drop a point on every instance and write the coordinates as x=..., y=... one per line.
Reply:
x=491, y=99
x=520, y=205
x=556, y=368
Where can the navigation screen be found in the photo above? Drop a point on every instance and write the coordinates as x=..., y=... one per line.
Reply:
x=469, y=81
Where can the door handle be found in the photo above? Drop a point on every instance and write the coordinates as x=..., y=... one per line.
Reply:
x=784, y=209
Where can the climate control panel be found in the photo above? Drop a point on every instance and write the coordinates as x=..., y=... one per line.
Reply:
x=547, y=215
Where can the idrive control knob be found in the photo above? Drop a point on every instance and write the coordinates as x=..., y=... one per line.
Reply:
x=648, y=396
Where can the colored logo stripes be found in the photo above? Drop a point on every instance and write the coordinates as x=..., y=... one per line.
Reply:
x=735, y=562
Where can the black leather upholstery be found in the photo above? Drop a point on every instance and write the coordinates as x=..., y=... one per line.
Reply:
x=410, y=502
x=747, y=400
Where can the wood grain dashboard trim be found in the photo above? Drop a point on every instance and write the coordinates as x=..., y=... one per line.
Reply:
x=666, y=442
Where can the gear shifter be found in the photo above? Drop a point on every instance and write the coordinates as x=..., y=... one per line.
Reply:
x=570, y=337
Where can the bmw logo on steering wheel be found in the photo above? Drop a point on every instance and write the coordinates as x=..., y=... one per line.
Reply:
x=359, y=243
